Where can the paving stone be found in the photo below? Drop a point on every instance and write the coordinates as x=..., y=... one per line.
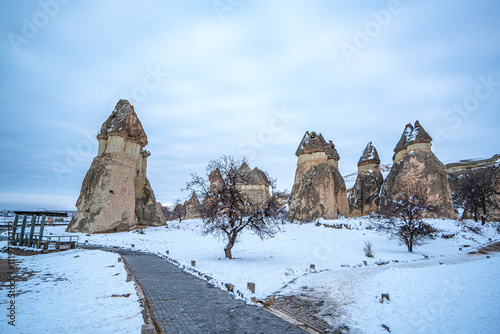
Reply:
x=182, y=303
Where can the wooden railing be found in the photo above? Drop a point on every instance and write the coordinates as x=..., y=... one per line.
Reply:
x=32, y=239
x=56, y=240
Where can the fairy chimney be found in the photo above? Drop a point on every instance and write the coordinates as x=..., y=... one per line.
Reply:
x=215, y=178
x=116, y=194
x=253, y=183
x=414, y=162
x=319, y=190
x=192, y=207
x=364, y=197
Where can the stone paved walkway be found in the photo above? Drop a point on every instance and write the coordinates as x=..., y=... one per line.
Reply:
x=182, y=303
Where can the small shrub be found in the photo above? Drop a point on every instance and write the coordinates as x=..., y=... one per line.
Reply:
x=338, y=226
x=468, y=226
x=429, y=230
x=368, y=249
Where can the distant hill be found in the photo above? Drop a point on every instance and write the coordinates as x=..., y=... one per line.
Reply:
x=461, y=165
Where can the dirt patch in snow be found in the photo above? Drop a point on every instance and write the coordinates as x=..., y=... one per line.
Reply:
x=7, y=270
x=488, y=249
x=303, y=308
x=27, y=252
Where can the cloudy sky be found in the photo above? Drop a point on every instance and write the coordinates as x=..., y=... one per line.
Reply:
x=238, y=77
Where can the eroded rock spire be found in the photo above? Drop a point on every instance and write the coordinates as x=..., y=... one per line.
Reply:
x=116, y=194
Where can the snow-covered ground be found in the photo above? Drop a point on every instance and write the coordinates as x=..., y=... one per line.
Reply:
x=75, y=291
x=439, y=288
x=454, y=295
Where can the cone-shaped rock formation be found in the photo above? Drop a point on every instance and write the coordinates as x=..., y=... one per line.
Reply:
x=116, y=194
x=319, y=190
x=192, y=207
x=414, y=162
x=364, y=198
x=254, y=184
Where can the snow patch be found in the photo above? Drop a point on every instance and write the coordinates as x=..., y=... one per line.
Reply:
x=71, y=292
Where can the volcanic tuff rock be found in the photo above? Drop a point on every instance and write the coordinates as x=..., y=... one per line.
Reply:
x=254, y=184
x=457, y=169
x=215, y=179
x=116, y=194
x=178, y=212
x=414, y=138
x=319, y=190
x=414, y=162
x=364, y=198
x=192, y=207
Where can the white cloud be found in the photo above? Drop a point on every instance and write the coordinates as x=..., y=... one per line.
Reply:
x=225, y=78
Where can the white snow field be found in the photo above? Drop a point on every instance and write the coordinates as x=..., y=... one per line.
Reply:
x=439, y=288
x=71, y=292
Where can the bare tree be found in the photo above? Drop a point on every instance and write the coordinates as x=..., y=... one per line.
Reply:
x=227, y=211
x=476, y=190
x=405, y=216
x=178, y=211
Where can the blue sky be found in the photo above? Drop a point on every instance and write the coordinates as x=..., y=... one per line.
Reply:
x=233, y=77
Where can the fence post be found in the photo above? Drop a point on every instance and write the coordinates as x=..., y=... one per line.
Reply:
x=23, y=227
x=32, y=229
x=40, y=234
x=12, y=237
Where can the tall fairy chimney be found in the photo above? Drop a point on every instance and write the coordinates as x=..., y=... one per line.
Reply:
x=319, y=190
x=116, y=194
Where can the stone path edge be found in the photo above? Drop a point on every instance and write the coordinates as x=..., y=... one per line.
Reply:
x=229, y=288
x=149, y=322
